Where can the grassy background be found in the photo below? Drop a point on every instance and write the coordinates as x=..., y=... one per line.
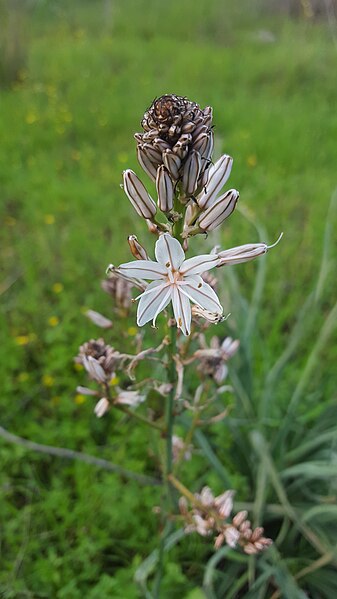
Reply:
x=76, y=79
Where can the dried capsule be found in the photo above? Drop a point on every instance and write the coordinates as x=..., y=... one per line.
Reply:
x=137, y=249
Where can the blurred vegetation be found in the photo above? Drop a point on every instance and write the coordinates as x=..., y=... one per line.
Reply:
x=75, y=79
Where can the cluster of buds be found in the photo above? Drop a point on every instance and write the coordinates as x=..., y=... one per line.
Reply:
x=175, y=150
x=209, y=514
x=177, y=136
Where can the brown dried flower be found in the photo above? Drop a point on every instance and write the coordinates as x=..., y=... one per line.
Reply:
x=213, y=359
x=209, y=514
x=119, y=289
x=99, y=359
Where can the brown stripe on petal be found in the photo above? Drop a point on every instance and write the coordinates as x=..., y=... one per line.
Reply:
x=182, y=310
x=162, y=290
x=183, y=272
x=201, y=293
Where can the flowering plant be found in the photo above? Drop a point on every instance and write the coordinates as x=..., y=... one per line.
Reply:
x=175, y=150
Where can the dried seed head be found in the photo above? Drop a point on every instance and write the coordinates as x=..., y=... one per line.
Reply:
x=137, y=249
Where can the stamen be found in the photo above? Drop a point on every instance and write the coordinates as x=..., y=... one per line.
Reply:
x=276, y=242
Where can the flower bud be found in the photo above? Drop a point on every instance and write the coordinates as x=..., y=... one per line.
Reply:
x=86, y=391
x=201, y=143
x=101, y=407
x=145, y=162
x=138, y=196
x=232, y=536
x=136, y=248
x=161, y=144
x=98, y=319
x=219, y=211
x=94, y=369
x=165, y=189
x=153, y=154
x=217, y=177
x=242, y=253
x=172, y=163
x=191, y=172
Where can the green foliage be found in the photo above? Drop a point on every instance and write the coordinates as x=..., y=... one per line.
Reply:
x=82, y=78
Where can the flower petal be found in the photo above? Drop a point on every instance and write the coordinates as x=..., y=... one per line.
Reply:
x=169, y=252
x=199, y=264
x=151, y=302
x=201, y=293
x=144, y=269
x=182, y=310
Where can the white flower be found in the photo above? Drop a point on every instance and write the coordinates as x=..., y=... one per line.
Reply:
x=174, y=279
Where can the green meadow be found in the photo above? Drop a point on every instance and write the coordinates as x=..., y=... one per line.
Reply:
x=76, y=78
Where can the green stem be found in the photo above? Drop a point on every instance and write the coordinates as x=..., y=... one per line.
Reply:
x=168, y=502
x=139, y=417
x=169, y=418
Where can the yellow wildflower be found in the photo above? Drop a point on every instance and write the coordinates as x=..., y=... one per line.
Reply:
x=49, y=219
x=48, y=380
x=22, y=339
x=252, y=160
x=53, y=321
x=57, y=287
x=132, y=331
x=79, y=399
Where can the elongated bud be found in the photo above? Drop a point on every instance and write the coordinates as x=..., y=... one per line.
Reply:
x=191, y=172
x=181, y=147
x=137, y=249
x=207, y=154
x=244, y=253
x=94, y=369
x=101, y=407
x=172, y=163
x=165, y=190
x=146, y=163
x=201, y=143
x=201, y=128
x=99, y=319
x=217, y=177
x=153, y=154
x=138, y=196
x=161, y=144
x=221, y=209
